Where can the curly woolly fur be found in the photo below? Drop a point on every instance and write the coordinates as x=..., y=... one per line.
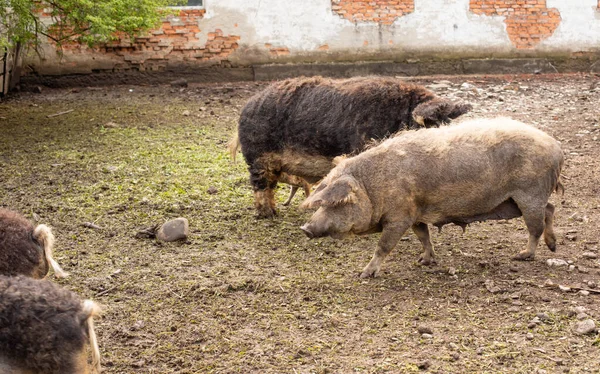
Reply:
x=24, y=249
x=44, y=328
x=299, y=125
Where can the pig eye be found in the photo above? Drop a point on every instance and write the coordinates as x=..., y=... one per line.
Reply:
x=321, y=187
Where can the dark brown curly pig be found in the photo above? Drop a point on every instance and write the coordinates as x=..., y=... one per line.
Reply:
x=44, y=328
x=24, y=249
x=298, y=126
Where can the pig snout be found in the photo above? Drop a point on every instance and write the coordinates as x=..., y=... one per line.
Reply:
x=313, y=231
x=307, y=231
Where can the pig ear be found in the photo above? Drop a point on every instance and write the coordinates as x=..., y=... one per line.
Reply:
x=438, y=111
x=341, y=191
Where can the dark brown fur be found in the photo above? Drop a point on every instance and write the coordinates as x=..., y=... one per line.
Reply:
x=43, y=327
x=293, y=122
x=20, y=253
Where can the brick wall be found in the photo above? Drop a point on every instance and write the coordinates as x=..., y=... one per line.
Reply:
x=380, y=11
x=176, y=41
x=528, y=22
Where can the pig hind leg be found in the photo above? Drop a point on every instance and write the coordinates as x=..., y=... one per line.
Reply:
x=293, y=190
x=422, y=232
x=534, y=217
x=549, y=236
x=389, y=238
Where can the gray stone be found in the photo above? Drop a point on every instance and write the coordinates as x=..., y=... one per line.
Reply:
x=556, y=262
x=427, y=336
x=543, y=316
x=590, y=255
x=584, y=327
x=425, y=330
x=179, y=83
x=173, y=230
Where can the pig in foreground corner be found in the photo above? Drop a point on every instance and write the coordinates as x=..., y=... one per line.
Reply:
x=24, y=249
x=44, y=329
x=484, y=169
x=298, y=126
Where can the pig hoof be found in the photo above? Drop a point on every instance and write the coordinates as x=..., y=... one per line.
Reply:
x=552, y=247
x=369, y=273
x=427, y=261
x=524, y=256
x=266, y=213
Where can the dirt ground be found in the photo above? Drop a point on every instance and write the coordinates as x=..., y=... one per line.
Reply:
x=256, y=296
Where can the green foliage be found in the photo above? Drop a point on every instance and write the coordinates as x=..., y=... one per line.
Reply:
x=87, y=21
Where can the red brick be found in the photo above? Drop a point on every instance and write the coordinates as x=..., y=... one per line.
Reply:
x=528, y=22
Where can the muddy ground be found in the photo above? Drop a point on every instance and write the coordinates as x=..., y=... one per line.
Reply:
x=256, y=296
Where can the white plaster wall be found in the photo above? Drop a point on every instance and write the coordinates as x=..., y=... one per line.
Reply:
x=436, y=28
x=435, y=25
x=579, y=29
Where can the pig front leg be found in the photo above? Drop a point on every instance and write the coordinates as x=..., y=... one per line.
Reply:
x=389, y=238
x=264, y=182
x=422, y=232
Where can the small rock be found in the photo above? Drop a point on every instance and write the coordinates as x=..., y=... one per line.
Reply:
x=424, y=365
x=173, y=230
x=529, y=336
x=466, y=86
x=591, y=284
x=479, y=351
x=427, y=336
x=533, y=323
x=543, y=316
x=584, y=293
x=556, y=262
x=583, y=270
x=425, y=330
x=454, y=356
x=138, y=325
x=584, y=327
x=202, y=109
x=513, y=268
x=579, y=309
x=179, y=83
x=453, y=346
x=571, y=268
x=571, y=237
x=564, y=288
x=212, y=190
x=451, y=271
x=111, y=125
x=581, y=316
x=589, y=255
x=37, y=89
x=186, y=113
x=491, y=286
